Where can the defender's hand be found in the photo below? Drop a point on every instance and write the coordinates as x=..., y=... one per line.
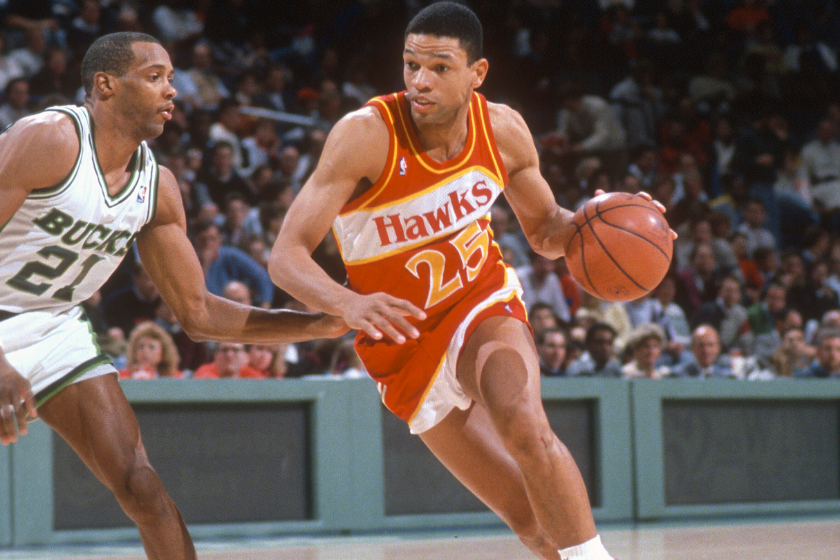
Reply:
x=381, y=315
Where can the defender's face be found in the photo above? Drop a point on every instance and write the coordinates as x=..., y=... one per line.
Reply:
x=438, y=79
x=148, y=90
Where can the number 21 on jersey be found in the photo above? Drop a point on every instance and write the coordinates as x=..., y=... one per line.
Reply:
x=470, y=241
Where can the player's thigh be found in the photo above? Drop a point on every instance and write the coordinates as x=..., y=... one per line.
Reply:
x=96, y=420
x=498, y=366
x=467, y=444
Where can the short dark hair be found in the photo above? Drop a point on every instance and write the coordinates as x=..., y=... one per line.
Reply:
x=111, y=54
x=448, y=19
x=541, y=336
x=597, y=327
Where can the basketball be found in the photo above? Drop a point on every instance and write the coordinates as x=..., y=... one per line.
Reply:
x=618, y=246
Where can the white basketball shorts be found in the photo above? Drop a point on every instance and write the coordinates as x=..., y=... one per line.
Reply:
x=53, y=350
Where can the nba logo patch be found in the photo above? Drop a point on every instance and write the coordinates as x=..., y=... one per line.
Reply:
x=403, y=166
x=141, y=194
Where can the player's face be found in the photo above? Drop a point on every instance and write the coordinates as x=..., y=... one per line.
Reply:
x=147, y=89
x=438, y=79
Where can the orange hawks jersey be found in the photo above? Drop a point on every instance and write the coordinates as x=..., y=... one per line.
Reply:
x=421, y=233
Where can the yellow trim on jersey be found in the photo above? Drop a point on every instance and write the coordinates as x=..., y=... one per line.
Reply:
x=404, y=248
x=371, y=196
x=447, y=180
x=486, y=137
x=419, y=151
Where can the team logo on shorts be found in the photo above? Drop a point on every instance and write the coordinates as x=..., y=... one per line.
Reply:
x=141, y=194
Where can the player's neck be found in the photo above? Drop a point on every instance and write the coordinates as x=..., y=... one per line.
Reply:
x=446, y=140
x=113, y=142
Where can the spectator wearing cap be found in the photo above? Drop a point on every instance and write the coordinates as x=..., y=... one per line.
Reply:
x=645, y=346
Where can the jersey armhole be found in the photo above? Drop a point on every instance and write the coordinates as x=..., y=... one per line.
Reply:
x=55, y=190
x=369, y=195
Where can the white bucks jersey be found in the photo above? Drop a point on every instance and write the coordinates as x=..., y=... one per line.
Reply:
x=66, y=240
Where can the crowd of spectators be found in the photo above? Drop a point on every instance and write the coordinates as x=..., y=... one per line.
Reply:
x=726, y=111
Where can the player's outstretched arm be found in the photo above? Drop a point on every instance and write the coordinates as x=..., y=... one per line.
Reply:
x=528, y=193
x=353, y=158
x=173, y=265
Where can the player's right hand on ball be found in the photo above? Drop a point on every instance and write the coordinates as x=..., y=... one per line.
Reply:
x=16, y=403
x=382, y=315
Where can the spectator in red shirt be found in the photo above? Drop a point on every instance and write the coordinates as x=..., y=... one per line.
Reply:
x=228, y=360
x=151, y=353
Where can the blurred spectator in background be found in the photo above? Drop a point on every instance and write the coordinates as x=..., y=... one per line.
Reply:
x=228, y=360
x=192, y=354
x=220, y=178
x=84, y=28
x=643, y=166
x=260, y=358
x=700, y=281
x=238, y=292
x=151, y=353
x=821, y=162
x=15, y=102
x=276, y=93
x=551, y=351
x=827, y=362
x=512, y=244
x=9, y=68
x=639, y=105
x=725, y=314
x=599, y=356
x=541, y=316
x=133, y=304
x=540, y=283
x=753, y=227
x=699, y=232
x=793, y=356
x=711, y=90
x=645, y=348
x=30, y=56
x=760, y=336
x=262, y=148
x=587, y=126
x=199, y=86
x=55, y=77
x=223, y=264
x=708, y=362
x=226, y=128
x=236, y=211
x=814, y=296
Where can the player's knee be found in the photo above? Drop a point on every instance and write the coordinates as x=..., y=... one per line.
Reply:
x=529, y=438
x=141, y=494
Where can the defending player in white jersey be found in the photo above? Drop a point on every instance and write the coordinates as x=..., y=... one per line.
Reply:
x=77, y=187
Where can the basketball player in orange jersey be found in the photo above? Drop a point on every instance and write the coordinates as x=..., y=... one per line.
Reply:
x=407, y=183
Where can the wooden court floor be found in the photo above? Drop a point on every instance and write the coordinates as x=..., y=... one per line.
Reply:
x=770, y=539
